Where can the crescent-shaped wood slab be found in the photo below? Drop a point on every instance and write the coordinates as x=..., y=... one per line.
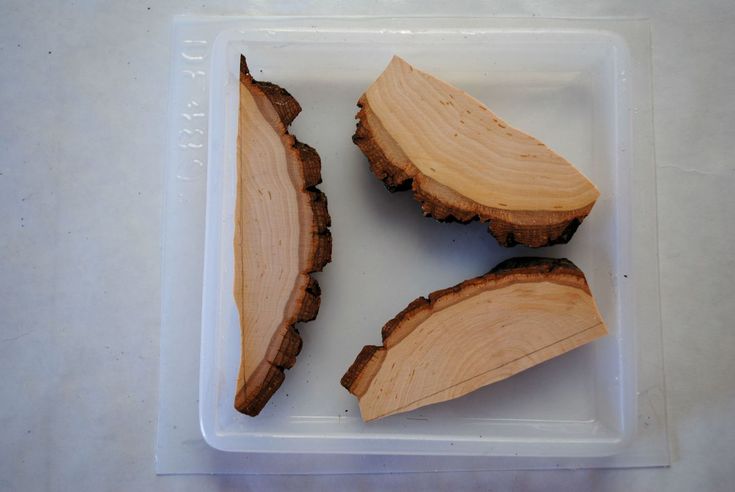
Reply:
x=281, y=236
x=524, y=312
x=465, y=163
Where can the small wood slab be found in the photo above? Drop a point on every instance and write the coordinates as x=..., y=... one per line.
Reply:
x=524, y=312
x=281, y=236
x=465, y=163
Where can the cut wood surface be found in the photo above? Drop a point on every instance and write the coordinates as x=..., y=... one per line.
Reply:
x=464, y=163
x=524, y=312
x=281, y=236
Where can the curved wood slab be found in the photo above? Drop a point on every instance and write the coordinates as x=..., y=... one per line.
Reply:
x=464, y=163
x=524, y=312
x=281, y=236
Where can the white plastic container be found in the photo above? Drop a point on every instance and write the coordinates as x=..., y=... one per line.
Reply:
x=569, y=88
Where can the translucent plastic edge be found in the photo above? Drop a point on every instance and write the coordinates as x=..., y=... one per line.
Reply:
x=648, y=124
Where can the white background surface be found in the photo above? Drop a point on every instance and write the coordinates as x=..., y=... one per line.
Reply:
x=83, y=114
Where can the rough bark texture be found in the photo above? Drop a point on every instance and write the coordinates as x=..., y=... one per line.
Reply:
x=358, y=378
x=389, y=162
x=305, y=172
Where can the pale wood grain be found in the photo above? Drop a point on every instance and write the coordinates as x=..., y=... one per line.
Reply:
x=464, y=162
x=280, y=237
x=474, y=334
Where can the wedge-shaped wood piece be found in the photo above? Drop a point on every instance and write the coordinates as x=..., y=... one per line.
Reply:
x=281, y=236
x=464, y=163
x=522, y=313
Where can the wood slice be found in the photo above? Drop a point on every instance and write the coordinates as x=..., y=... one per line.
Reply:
x=524, y=312
x=465, y=163
x=281, y=236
